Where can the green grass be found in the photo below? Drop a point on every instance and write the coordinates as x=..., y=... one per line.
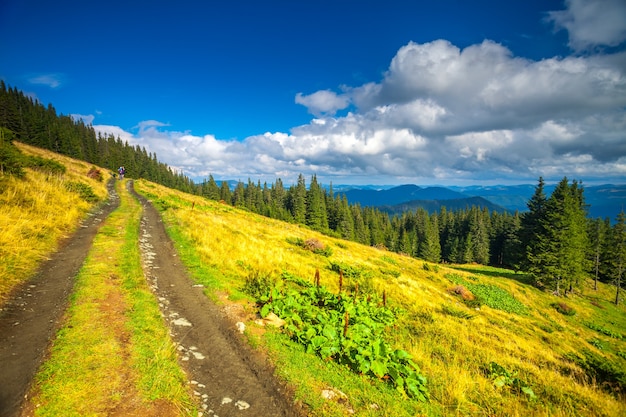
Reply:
x=113, y=353
x=536, y=349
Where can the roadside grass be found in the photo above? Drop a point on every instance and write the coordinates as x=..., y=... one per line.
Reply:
x=486, y=358
x=113, y=354
x=37, y=211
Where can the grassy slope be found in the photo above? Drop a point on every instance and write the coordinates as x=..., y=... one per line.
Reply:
x=36, y=212
x=453, y=343
x=113, y=354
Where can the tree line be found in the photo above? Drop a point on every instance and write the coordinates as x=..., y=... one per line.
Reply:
x=554, y=241
x=28, y=121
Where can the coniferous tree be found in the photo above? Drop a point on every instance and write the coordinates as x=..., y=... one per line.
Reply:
x=316, y=216
x=559, y=258
x=616, y=256
x=531, y=223
x=225, y=194
x=430, y=248
x=297, y=200
x=597, y=235
x=210, y=189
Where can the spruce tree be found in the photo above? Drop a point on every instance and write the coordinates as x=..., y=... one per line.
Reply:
x=558, y=260
x=531, y=223
x=617, y=253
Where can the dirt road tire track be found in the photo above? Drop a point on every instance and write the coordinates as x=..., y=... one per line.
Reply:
x=228, y=377
x=31, y=317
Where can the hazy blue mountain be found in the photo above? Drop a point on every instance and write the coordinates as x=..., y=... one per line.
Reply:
x=399, y=194
x=432, y=206
x=605, y=200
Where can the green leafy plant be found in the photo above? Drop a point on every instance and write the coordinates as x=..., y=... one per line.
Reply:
x=489, y=295
x=502, y=377
x=605, y=331
x=345, y=328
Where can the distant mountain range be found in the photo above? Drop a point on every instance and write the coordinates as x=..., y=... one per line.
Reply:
x=604, y=200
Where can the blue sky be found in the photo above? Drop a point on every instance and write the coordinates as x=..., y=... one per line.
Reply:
x=354, y=91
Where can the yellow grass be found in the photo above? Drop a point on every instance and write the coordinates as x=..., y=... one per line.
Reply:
x=36, y=212
x=452, y=352
x=101, y=363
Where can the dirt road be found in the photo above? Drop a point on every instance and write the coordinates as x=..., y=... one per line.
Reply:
x=227, y=377
x=31, y=317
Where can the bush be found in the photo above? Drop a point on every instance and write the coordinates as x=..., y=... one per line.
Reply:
x=84, y=191
x=49, y=166
x=313, y=245
x=95, y=173
x=462, y=291
x=563, y=308
x=11, y=159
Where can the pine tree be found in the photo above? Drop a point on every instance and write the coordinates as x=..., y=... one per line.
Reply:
x=531, y=223
x=617, y=253
x=597, y=235
x=316, y=217
x=297, y=199
x=559, y=257
x=225, y=194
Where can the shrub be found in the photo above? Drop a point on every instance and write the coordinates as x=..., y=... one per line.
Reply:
x=462, y=291
x=11, y=159
x=49, y=166
x=313, y=245
x=95, y=173
x=258, y=284
x=563, y=308
x=84, y=191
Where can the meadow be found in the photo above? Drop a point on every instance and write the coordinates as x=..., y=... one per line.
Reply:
x=487, y=342
x=38, y=211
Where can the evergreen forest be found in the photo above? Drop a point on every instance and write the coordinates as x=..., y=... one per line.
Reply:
x=554, y=242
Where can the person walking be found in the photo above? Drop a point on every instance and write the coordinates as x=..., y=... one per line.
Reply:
x=121, y=170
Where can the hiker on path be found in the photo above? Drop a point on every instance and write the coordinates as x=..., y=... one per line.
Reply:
x=121, y=171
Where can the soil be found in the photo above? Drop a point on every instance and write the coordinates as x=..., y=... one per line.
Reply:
x=32, y=315
x=227, y=377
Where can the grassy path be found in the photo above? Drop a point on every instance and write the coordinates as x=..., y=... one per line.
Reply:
x=113, y=355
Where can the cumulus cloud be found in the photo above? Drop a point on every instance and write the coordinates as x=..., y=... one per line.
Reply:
x=592, y=23
x=323, y=102
x=440, y=114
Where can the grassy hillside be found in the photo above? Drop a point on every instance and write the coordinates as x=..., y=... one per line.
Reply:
x=487, y=342
x=40, y=209
x=511, y=350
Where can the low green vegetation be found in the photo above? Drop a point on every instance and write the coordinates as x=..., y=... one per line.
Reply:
x=346, y=328
x=453, y=321
x=489, y=295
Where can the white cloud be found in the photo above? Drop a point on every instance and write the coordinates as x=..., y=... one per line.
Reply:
x=86, y=118
x=439, y=114
x=323, y=102
x=50, y=80
x=592, y=23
